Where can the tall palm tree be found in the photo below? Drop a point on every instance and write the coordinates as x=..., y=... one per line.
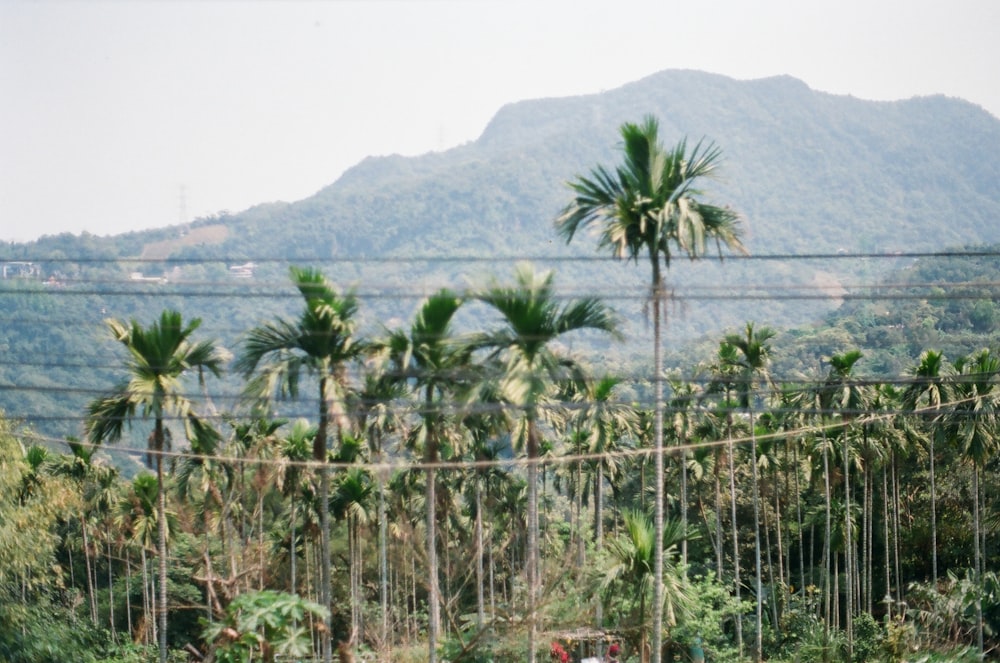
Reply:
x=840, y=393
x=296, y=448
x=532, y=318
x=160, y=356
x=79, y=468
x=973, y=423
x=751, y=361
x=351, y=502
x=604, y=422
x=650, y=205
x=376, y=419
x=926, y=395
x=724, y=380
x=430, y=359
x=322, y=342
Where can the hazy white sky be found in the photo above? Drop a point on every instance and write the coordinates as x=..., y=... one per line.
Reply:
x=108, y=110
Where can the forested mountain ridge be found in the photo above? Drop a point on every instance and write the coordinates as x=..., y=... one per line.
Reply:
x=807, y=170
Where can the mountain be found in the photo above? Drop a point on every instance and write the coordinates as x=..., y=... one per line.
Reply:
x=813, y=174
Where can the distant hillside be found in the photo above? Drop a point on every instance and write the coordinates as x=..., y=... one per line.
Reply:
x=812, y=173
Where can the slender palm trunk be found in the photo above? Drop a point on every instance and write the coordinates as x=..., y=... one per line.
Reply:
x=977, y=560
x=736, y=545
x=826, y=542
x=798, y=520
x=91, y=599
x=161, y=516
x=897, y=559
x=848, y=549
x=111, y=590
x=324, y=554
x=684, y=504
x=531, y=562
x=292, y=545
x=885, y=539
x=128, y=592
x=599, y=527
x=433, y=592
x=934, y=560
x=480, y=594
x=383, y=556
x=718, y=515
x=658, y=460
x=146, y=596
x=319, y=456
x=758, y=646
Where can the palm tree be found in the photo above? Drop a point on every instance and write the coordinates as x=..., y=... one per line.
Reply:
x=649, y=205
x=631, y=571
x=725, y=376
x=430, y=359
x=322, y=343
x=751, y=363
x=531, y=320
x=604, y=422
x=203, y=476
x=79, y=468
x=376, y=418
x=160, y=355
x=926, y=395
x=296, y=447
x=840, y=393
x=351, y=502
x=973, y=423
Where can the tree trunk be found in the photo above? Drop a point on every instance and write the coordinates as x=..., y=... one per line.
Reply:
x=91, y=599
x=848, y=550
x=319, y=456
x=111, y=591
x=736, y=546
x=531, y=561
x=718, y=515
x=977, y=560
x=480, y=594
x=885, y=539
x=433, y=592
x=383, y=555
x=658, y=460
x=161, y=515
x=758, y=646
x=934, y=564
x=128, y=592
x=798, y=519
x=827, y=553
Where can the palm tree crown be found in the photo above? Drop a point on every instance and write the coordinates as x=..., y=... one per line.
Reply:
x=650, y=202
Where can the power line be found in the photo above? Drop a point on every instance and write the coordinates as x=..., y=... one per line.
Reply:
x=470, y=258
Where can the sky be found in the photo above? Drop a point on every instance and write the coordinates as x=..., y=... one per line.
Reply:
x=133, y=114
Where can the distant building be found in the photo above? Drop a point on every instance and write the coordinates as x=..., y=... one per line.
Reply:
x=244, y=271
x=20, y=270
x=138, y=277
